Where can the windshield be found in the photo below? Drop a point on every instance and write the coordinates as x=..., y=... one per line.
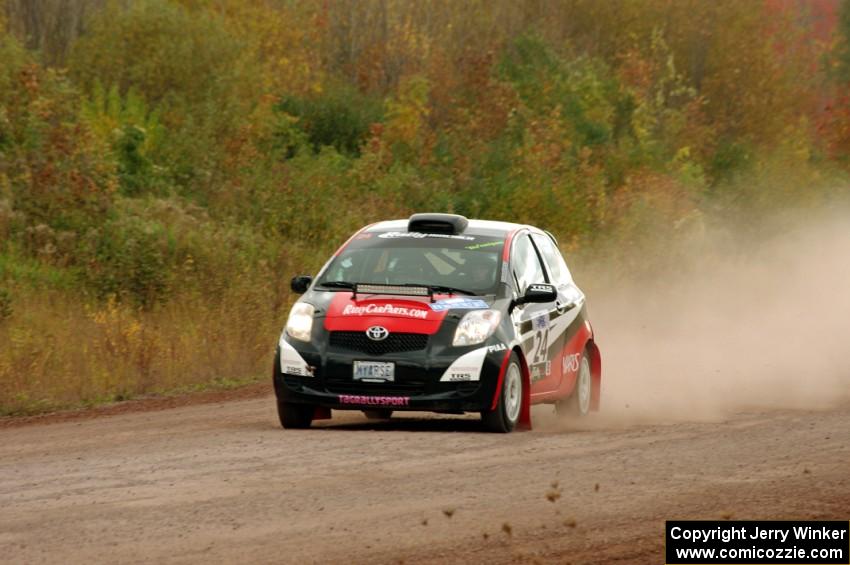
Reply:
x=463, y=262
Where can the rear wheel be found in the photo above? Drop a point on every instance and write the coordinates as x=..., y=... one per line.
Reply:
x=295, y=416
x=578, y=403
x=381, y=414
x=506, y=415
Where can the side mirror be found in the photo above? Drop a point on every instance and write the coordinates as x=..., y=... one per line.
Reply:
x=300, y=284
x=537, y=293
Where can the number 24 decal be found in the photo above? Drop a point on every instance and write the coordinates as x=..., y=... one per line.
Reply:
x=541, y=342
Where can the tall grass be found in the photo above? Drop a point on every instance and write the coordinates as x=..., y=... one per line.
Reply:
x=58, y=352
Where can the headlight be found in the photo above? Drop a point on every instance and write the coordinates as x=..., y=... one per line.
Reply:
x=300, y=322
x=476, y=326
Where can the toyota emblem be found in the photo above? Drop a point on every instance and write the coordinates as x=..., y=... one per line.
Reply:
x=377, y=333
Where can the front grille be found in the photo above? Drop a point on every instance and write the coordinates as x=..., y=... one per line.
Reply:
x=394, y=343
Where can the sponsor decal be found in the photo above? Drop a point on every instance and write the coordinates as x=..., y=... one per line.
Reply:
x=496, y=348
x=540, y=371
x=379, y=309
x=462, y=373
x=540, y=322
x=539, y=353
x=418, y=235
x=458, y=303
x=455, y=377
x=374, y=400
x=540, y=287
x=570, y=363
x=475, y=246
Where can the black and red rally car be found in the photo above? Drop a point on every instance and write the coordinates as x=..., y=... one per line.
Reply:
x=442, y=314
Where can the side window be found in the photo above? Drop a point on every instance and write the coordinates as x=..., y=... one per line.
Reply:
x=526, y=264
x=553, y=258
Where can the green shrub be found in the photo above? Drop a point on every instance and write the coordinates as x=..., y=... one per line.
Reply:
x=339, y=117
x=130, y=258
x=193, y=75
x=581, y=89
x=135, y=134
x=160, y=49
x=53, y=168
x=5, y=305
x=731, y=158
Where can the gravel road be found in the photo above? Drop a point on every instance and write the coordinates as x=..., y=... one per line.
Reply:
x=221, y=482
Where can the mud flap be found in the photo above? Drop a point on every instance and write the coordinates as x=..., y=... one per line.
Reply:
x=524, y=422
x=595, y=375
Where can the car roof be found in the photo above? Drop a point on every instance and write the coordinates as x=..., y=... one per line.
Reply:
x=475, y=227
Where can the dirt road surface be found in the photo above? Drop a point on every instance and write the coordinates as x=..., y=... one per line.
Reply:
x=222, y=482
x=726, y=395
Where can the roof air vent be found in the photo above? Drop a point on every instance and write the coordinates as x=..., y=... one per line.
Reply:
x=451, y=224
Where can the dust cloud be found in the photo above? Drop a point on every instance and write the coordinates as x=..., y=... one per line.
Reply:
x=736, y=324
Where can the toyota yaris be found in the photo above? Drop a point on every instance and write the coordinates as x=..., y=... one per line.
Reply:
x=442, y=314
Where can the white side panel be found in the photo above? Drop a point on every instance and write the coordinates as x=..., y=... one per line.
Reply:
x=561, y=324
x=556, y=328
x=467, y=367
x=291, y=362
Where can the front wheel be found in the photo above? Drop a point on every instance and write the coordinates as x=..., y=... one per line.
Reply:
x=295, y=416
x=506, y=415
x=578, y=403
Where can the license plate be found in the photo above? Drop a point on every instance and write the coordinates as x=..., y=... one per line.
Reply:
x=374, y=371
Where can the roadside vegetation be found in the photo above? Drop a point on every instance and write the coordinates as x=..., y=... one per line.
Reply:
x=166, y=166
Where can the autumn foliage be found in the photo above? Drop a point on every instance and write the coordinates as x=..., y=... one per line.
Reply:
x=167, y=165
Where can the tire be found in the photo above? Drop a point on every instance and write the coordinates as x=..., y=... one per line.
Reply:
x=379, y=414
x=506, y=415
x=578, y=403
x=295, y=416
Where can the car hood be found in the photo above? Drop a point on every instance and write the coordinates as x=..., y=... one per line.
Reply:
x=408, y=314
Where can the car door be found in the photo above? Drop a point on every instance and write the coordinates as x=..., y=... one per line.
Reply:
x=564, y=325
x=533, y=321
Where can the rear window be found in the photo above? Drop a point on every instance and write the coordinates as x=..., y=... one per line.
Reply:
x=468, y=262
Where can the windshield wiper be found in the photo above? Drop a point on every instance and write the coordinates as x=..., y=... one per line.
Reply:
x=339, y=284
x=451, y=290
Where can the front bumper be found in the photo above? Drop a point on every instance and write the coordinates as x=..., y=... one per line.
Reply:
x=417, y=384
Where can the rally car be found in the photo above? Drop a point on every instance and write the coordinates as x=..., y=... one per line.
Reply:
x=442, y=314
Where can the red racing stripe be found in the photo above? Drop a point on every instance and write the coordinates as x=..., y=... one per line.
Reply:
x=502, y=370
x=347, y=241
x=506, y=252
